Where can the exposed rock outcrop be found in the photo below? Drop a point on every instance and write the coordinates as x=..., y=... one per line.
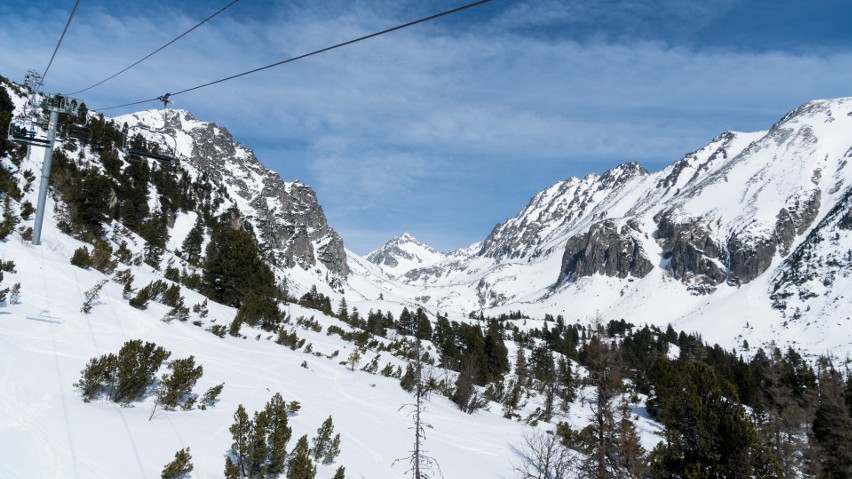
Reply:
x=604, y=250
x=693, y=255
x=289, y=223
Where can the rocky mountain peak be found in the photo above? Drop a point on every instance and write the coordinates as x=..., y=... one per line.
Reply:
x=289, y=223
x=404, y=253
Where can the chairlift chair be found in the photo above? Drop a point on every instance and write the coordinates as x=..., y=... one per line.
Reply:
x=24, y=131
x=78, y=132
x=169, y=157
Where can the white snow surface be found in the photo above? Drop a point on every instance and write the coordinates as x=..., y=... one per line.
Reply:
x=46, y=430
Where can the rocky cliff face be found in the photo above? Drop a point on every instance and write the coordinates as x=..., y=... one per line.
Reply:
x=288, y=221
x=605, y=250
x=817, y=275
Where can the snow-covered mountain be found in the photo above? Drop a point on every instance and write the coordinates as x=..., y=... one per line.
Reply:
x=755, y=224
x=404, y=253
x=290, y=224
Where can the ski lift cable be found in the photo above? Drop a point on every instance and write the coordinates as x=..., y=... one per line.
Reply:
x=315, y=52
x=157, y=50
x=62, y=37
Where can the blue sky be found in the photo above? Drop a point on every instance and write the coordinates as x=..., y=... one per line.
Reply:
x=448, y=128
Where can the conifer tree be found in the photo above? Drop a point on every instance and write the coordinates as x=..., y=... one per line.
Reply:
x=423, y=325
x=605, y=367
x=406, y=323
x=420, y=463
x=234, y=268
x=180, y=467
x=300, y=466
x=91, y=295
x=232, y=471
x=326, y=447
x=342, y=310
x=81, y=258
x=521, y=370
x=354, y=358
x=831, y=451
x=211, y=396
x=340, y=473
x=256, y=449
x=279, y=434
x=707, y=431
x=14, y=294
x=176, y=385
x=240, y=432
x=191, y=245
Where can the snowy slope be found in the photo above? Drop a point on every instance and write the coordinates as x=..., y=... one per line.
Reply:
x=46, y=430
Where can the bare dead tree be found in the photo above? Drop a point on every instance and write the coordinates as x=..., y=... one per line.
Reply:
x=543, y=456
x=421, y=465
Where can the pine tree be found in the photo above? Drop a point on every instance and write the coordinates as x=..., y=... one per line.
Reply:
x=342, y=310
x=175, y=386
x=240, y=431
x=300, y=466
x=279, y=434
x=605, y=367
x=91, y=295
x=14, y=294
x=831, y=451
x=81, y=258
x=234, y=268
x=180, y=467
x=707, y=430
x=191, y=245
x=211, y=396
x=496, y=353
x=232, y=471
x=340, y=473
x=423, y=325
x=256, y=450
x=521, y=370
x=354, y=358
x=420, y=463
x=406, y=323
x=259, y=309
x=326, y=447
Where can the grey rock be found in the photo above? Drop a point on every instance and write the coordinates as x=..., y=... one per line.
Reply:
x=692, y=254
x=289, y=224
x=604, y=250
x=749, y=257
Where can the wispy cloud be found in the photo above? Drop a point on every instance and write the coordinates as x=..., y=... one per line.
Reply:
x=425, y=113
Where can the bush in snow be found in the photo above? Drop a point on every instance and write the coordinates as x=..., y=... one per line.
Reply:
x=180, y=467
x=81, y=258
x=123, y=377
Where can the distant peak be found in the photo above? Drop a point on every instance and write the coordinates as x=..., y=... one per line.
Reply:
x=405, y=237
